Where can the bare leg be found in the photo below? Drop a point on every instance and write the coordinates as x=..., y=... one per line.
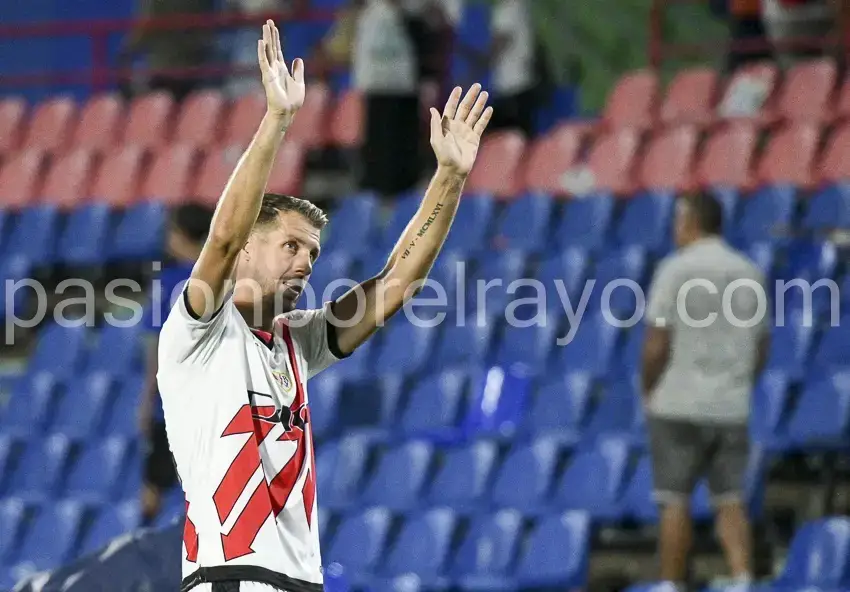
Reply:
x=735, y=534
x=674, y=544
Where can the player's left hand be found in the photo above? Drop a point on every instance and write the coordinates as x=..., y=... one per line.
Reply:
x=285, y=91
x=456, y=134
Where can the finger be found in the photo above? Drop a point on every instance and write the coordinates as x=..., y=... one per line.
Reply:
x=267, y=42
x=477, y=108
x=481, y=125
x=467, y=102
x=262, y=58
x=451, y=105
x=298, y=70
x=436, y=125
x=277, y=43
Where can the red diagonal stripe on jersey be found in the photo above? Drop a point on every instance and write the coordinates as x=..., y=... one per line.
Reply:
x=237, y=542
x=190, y=538
x=284, y=482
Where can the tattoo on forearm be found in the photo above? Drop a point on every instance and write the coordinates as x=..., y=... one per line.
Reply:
x=423, y=230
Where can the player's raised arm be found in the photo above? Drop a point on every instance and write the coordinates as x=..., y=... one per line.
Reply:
x=455, y=137
x=239, y=205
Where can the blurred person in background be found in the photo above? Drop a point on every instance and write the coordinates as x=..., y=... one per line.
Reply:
x=809, y=22
x=744, y=19
x=706, y=343
x=336, y=48
x=187, y=231
x=167, y=49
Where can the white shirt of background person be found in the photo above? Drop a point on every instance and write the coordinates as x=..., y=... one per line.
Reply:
x=384, y=54
x=513, y=70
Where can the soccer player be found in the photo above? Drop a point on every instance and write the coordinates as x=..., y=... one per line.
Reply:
x=235, y=356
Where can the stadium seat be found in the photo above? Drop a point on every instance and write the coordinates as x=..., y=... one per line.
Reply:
x=434, y=407
x=561, y=407
x=347, y=120
x=50, y=126
x=829, y=354
x=472, y=224
x=525, y=478
x=213, y=173
x=790, y=346
x=528, y=348
x=121, y=419
x=585, y=222
x=463, y=343
x=140, y=232
x=563, y=277
x=440, y=289
x=355, y=239
x=770, y=408
x=69, y=179
x=244, y=119
x=618, y=414
x=557, y=554
x=199, y=117
x=646, y=221
x=690, y=97
x=488, y=551
x=610, y=161
x=54, y=535
x=550, y=156
x=42, y=468
x=12, y=515
x=762, y=254
x=360, y=542
x=834, y=165
x=34, y=235
x=524, y=224
x=100, y=122
x=20, y=179
x=668, y=160
x=497, y=164
x=118, y=350
x=463, y=477
x=594, y=480
x=808, y=260
x=818, y=556
x=828, y=208
x=330, y=279
x=749, y=91
x=150, y=120
x=821, y=418
x=403, y=210
x=806, y=91
x=58, y=352
x=325, y=390
x=111, y=522
x=117, y=180
x=488, y=287
x=405, y=346
x=399, y=478
x=632, y=103
x=85, y=235
x=422, y=547
x=13, y=112
x=170, y=174
x=789, y=156
x=343, y=463
x=31, y=405
x=288, y=171
x=765, y=214
x=9, y=449
x=310, y=128
x=727, y=157
x=98, y=471
x=82, y=409
x=638, y=503
x=612, y=271
x=631, y=352
x=661, y=587
x=590, y=347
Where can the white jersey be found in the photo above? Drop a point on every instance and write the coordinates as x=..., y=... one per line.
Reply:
x=238, y=424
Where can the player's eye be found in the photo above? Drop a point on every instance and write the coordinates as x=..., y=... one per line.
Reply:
x=291, y=245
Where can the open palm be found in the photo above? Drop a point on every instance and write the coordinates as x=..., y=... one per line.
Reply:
x=456, y=135
x=284, y=91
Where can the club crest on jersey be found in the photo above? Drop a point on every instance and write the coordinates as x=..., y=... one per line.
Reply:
x=282, y=378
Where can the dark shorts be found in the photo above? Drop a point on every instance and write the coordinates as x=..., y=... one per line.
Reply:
x=684, y=452
x=159, y=464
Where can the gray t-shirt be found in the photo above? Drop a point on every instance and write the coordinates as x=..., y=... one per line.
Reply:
x=715, y=303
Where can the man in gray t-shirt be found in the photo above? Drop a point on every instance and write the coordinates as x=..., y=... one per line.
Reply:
x=707, y=340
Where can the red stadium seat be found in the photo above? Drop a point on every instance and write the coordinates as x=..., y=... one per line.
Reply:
x=51, y=125
x=727, y=158
x=149, y=121
x=668, y=160
x=100, y=123
x=244, y=119
x=213, y=173
x=310, y=126
x=20, y=177
x=807, y=92
x=288, y=171
x=169, y=175
x=632, y=102
x=13, y=110
x=611, y=161
x=690, y=97
x=496, y=165
x=69, y=178
x=118, y=176
x=749, y=92
x=200, y=118
x=789, y=156
x=551, y=156
x=835, y=162
x=347, y=120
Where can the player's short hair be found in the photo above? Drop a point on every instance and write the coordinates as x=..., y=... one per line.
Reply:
x=275, y=203
x=706, y=210
x=192, y=220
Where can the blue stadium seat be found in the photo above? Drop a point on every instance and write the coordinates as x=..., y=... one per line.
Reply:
x=765, y=212
x=595, y=480
x=83, y=408
x=762, y=254
x=619, y=413
x=54, y=535
x=472, y=224
x=14, y=269
x=30, y=408
x=489, y=288
x=325, y=390
x=118, y=350
x=645, y=221
x=560, y=407
x=343, y=464
x=819, y=556
x=637, y=500
x=790, y=345
x=489, y=550
x=9, y=449
x=557, y=553
x=140, y=233
x=830, y=355
x=563, y=276
x=464, y=342
x=525, y=478
x=405, y=346
x=330, y=279
x=400, y=477
x=359, y=542
x=497, y=401
x=111, y=522
x=828, y=208
x=434, y=407
x=13, y=512
x=41, y=469
x=121, y=419
x=359, y=364
x=821, y=418
x=58, y=352
x=463, y=477
x=590, y=349
x=5, y=219
x=809, y=261
x=34, y=235
x=770, y=408
x=729, y=199
x=100, y=469
x=524, y=223
x=371, y=405
x=354, y=225
x=448, y=274
x=422, y=546
x=529, y=347
x=585, y=223
x=617, y=272
x=403, y=211
x=86, y=234
x=657, y=587
x=629, y=360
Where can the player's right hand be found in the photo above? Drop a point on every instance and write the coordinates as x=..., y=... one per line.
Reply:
x=284, y=90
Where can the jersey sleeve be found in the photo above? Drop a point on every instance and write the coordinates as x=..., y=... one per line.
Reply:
x=316, y=337
x=661, y=304
x=186, y=338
